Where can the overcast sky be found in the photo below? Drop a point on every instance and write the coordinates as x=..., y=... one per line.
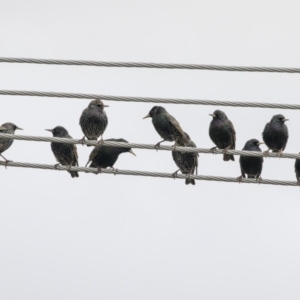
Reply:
x=125, y=237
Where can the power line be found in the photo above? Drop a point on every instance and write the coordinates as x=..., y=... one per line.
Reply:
x=148, y=65
x=144, y=146
x=149, y=99
x=146, y=174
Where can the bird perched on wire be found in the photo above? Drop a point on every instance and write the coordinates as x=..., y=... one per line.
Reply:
x=187, y=162
x=297, y=170
x=5, y=143
x=222, y=133
x=65, y=154
x=275, y=135
x=103, y=156
x=93, y=121
x=166, y=125
x=251, y=165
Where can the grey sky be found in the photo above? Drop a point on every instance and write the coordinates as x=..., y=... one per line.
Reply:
x=122, y=237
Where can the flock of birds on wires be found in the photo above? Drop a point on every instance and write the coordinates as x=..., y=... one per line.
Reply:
x=93, y=122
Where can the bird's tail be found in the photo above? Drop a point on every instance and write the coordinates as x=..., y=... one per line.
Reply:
x=190, y=180
x=228, y=157
x=74, y=174
x=91, y=139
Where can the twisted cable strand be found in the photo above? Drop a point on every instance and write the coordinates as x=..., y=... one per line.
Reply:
x=149, y=99
x=144, y=173
x=144, y=146
x=148, y=65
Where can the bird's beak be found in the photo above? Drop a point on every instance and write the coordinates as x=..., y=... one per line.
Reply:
x=148, y=116
x=213, y=115
x=51, y=130
x=132, y=152
x=260, y=143
x=105, y=105
x=18, y=128
x=284, y=120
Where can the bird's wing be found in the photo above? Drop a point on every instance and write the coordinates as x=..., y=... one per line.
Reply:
x=233, y=133
x=176, y=124
x=74, y=151
x=94, y=153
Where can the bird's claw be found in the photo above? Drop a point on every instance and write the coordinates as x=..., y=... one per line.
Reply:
x=259, y=179
x=279, y=153
x=157, y=146
x=101, y=141
x=213, y=149
x=174, y=175
x=266, y=153
x=82, y=141
x=7, y=162
x=55, y=166
x=225, y=150
x=240, y=178
x=298, y=181
x=99, y=170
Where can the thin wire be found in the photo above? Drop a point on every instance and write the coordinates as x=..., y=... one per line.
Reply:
x=147, y=65
x=145, y=173
x=144, y=146
x=148, y=99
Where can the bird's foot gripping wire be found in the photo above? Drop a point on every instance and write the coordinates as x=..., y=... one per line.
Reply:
x=259, y=179
x=225, y=150
x=99, y=170
x=279, y=153
x=158, y=145
x=6, y=161
x=82, y=141
x=298, y=181
x=174, y=175
x=213, y=149
x=266, y=153
x=115, y=170
x=240, y=179
x=56, y=166
x=101, y=141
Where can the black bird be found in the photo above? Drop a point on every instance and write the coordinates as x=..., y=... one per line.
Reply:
x=65, y=154
x=105, y=156
x=222, y=133
x=250, y=165
x=275, y=134
x=166, y=125
x=5, y=143
x=187, y=162
x=297, y=170
x=93, y=120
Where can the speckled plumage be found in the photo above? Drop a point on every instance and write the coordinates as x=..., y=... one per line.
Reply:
x=222, y=133
x=297, y=170
x=275, y=134
x=252, y=166
x=5, y=143
x=187, y=162
x=93, y=120
x=65, y=154
x=106, y=156
x=166, y=125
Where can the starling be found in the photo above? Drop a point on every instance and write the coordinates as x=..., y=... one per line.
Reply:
x=105, y=156
x=297, y=170
x=275, y=135
x=222, y=133
x=5, y=143
x=251, y=165
x=65, y=154
x=187, y=162
x=166, y=125
x=93, y=121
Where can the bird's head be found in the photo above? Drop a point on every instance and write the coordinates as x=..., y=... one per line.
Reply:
x=278, y=119
x=156, y=110
x=58, y=131
x=9, y=127
x=97, y=104
x=122, y=149
x=219, y=114
x=252, y=144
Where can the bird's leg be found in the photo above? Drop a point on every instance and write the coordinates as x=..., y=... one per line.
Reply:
x=69, y=168
x=158, y=144
x=259, y=179
x=56, y=165
x=174, y=175
x=116, y=171
x=225, y=150
x=82, y=141
x=266, y=153
x=213, y=149
x=298, y=181
x=101, y=141
x=99, y=170
x=240, y=178
x=6, y=161
x=279, y=153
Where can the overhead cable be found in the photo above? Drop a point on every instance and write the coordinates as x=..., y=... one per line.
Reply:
x=149, y=99
x=145, y=173
x=148, y=65
x=145, y=146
